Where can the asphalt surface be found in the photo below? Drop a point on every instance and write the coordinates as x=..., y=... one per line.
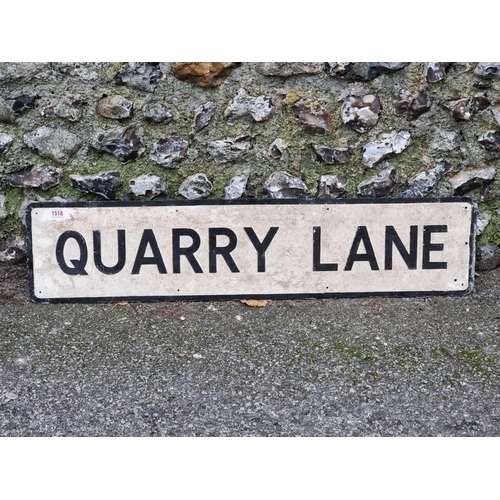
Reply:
x=332, y=367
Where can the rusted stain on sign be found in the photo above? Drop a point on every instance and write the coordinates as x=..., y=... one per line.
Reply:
x=249, y=249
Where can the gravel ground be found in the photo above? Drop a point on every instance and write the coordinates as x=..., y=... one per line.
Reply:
x=336, y=367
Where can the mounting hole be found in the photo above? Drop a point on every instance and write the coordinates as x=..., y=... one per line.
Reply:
x=455, y=279
x=466, y=242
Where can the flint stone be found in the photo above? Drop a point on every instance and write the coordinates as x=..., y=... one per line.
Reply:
x=330, y=155
x=62, y=111
x=259, y=108
x=435, y=71
x=115, y=107
x=419, y=105
x=169, y=151
x=312, y=118
x=235, y=188
x=469, y=179
x=460, y=110
x=38, y=176
x=488, y=69
x=57, y=144
x=5, y=142
x=361, y=71
x=388, y=146
x=203, y=74
x=402, y=103
x=157, y=112
x=122, y=143
x=490, y=140
x=332, y=186
x=230, y=149
x=425, y=182
x=202, y=116
x=483, y=219
x=147, y=185
x=277, y=149
x=412, y=105
x=487, y=257
x=13, y=250
x=142, y=76
x=195, y=187
x=22, y=103
x=380, y=185
x=361, y=113
x=3, y=206
x=288, y=68
x=282, y=185
x=480, y=102
x=104, y=183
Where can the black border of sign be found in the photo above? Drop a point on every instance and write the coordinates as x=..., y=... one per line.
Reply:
x=313, y=201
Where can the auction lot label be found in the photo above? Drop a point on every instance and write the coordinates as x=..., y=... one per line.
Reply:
x=204, y=250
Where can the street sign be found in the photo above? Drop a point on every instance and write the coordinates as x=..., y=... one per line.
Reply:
x=205, y=250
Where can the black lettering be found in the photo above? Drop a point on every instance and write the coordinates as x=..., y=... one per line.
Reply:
x=214, y=250
x=78, y=264
x=317, y=264
x=148, y=238
x=261, y=246
x=188, y=252
x=354, y=256
x=392, y=238
x=98, y=253
x=429, y=247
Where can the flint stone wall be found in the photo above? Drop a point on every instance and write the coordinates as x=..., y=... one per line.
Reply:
x=123, y=131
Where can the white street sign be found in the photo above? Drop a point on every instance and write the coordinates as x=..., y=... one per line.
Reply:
x=204, y=250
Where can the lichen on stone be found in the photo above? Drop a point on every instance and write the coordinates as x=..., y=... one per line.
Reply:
x=57, y=144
